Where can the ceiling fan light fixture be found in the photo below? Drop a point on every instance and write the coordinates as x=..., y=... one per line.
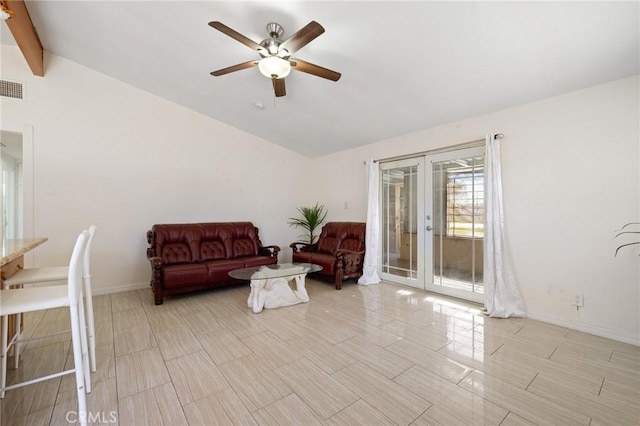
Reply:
x=5, y=12
x=274, y=67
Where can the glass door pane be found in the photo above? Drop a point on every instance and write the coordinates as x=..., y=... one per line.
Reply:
x=456, y=239
x=401, y=184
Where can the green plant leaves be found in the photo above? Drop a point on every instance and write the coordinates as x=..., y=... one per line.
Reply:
x=311, y=218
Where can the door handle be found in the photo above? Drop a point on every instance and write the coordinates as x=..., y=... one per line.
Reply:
x=429, y=228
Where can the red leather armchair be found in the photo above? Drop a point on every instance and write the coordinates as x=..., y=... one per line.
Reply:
x=339, y=250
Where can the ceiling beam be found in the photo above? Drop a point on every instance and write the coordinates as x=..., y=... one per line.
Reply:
x=26, y=36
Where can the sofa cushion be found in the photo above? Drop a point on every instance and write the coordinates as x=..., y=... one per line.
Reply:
x=212, y=250
x=176, y=253
x=353, y=236
x=244, y=241
x=327, y=261
x=244, y=247
x=329, y=240
x=218, y=270
x=302, y=257
x=184, y=274
x=215, y=242
x=177, y=243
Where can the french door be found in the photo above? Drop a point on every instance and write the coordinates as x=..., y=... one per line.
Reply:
x=402, y=206
x=433, y=222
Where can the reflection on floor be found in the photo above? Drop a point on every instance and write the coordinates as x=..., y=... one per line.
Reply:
x=375, y=355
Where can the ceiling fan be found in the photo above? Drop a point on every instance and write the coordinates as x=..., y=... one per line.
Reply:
x=276, y=61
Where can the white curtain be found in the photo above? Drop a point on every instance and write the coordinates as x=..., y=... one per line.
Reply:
x=502, y=297
x=370, y=267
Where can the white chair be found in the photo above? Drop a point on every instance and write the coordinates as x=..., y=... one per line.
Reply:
x=22, y=300
x=59, y=273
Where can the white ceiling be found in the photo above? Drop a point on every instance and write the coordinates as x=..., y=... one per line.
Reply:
x=406, y=66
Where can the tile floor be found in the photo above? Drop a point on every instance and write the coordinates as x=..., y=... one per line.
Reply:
x=377, y=355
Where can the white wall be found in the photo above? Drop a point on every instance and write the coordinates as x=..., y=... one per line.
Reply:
x=113, y=155
x=571, y=177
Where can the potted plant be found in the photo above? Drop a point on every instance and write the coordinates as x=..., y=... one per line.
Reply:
x=311, y=218
x=625, y=230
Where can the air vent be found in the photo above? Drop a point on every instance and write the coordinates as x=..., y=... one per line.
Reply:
x=11, y=89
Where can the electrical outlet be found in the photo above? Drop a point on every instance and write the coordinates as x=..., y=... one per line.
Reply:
x=578, y=300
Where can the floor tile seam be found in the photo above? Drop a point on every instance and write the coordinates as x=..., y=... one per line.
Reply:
x=633, y=351
x=543, y=395
x=469, y=373
x=596, y=398
x=164, y=363
x=423, y=412
x=52, y=407
x=629, y=365
x=363, y=397
x=532, y=380
x=473, y=349
x=601, y=386
x=355, y=402
x=505, y=416
x=410, y=361
x=565, y=346
x=230, y=360
x=191, y=390
x=603, y=367
x=253, y=413
x=548, y=365
x=508, y=406
x=28, y=346
x=225, y=329
x=412, y=392
x=139, y=391
x=549, y=376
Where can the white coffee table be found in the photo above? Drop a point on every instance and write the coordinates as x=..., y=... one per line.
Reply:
x=270, y=284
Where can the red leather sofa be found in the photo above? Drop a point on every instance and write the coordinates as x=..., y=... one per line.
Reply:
x=339, y=250
x=194, y=256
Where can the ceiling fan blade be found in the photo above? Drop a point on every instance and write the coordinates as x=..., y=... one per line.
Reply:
x=233, y=68
x=278, y=87
x=316, y=70
x=237, y=36
x=302, y=37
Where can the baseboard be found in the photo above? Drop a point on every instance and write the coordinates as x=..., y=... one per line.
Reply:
x=120, y=289
x=589, y=328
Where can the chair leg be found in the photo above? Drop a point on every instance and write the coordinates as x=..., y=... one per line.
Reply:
x=16, y=344
x=76, y=339
x=91, y=328
x=3, y=371
x=84, y=347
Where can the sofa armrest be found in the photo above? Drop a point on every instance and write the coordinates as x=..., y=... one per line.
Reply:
x=271, y=251
x=306, y=247
x=156, y=261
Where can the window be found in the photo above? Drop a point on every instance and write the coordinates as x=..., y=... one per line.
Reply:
x=465, y=199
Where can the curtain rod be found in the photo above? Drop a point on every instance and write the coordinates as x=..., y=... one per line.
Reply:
x=471, y=144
